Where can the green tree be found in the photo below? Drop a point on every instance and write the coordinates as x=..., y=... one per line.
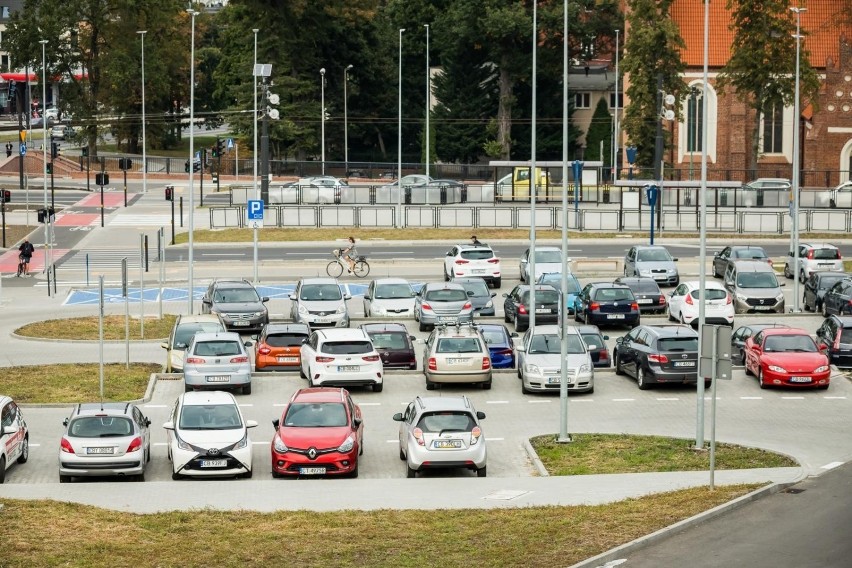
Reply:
x=600, y=130
x=652, y=50
x=762, y=66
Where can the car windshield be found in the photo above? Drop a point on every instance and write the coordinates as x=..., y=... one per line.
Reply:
x=477, y=254
x=347, y=347
x=285, y=339
x=653, y=255
x=593, y=340
x=446, y=295
x=316, y=415
x=389, y=340
x=210, y=417
x=555, y=279
x=750, y=253
x=643, y=286
x=846, y=336
x=826, y=254
x=789, y=343
x=478, y=287
x=493, y=336
x=614, y=295
x=543, y=296
x=100, y=427
x=233, y=295
x=710, y=294
x=458, y=345
x=393, y=291
x=552, y=256
x=551, y=343
x=756, y=280
x=678, y=344
x=449, y=421
x=320, y=292
x=185, y=332
x=217, y=348
x=828, y=281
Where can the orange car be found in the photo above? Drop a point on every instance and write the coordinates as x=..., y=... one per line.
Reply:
x=277, y=346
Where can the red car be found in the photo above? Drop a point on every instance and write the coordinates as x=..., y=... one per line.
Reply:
x=786, y=357
x=320, y=432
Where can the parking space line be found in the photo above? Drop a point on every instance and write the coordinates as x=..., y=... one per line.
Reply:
x=834, y=397
x=751, y=398
x=623, y=399
x=245, y=405
x=279, y=404
x=259, y=443
x=35, y=445
x=494, y=439
x=160, y=444
x=793, y=397
x=496, y=402
x=155, y=406
x=538, y=401
x=391, y=441
x=582, y=400
x=368, y=403
x=675, y=398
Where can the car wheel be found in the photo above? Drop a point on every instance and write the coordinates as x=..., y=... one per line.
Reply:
x=617, y=363
x=742, y=357
x=519, y=327
x=524, y=389
x=715, y=272
x=805, y=305
x=302, y=372
x=640, y=379
x=139, y=478
x=148, y=455
x=3, y=470
x=247, y=389
x=824, y=310
x=248, y=474
x=481, y=471
x=430, y=385
x=747, y=370
x=401, y=455
x=354, y=473
x=423, y=327
x=276, y=475
x=64, y=479
x=822, y=387
x=587, y=319
x=802, y=277
x=25, y=450
x=682, y=321
x=487, y=385
x=411, y=472
x=506, y=317
x=760, y=380
x=787, y=273
x=378, y=387
x=176, y=476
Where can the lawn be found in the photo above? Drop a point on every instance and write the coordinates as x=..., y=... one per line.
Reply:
x=76, y=382
x=86, y=328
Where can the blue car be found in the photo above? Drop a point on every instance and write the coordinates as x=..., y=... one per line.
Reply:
x=500, y=345
x=555, y=279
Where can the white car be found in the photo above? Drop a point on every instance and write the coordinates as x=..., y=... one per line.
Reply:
x=389, y=297
x=539, y=365
x=813, y=257
x=389, y=193
x=547, y=259
x=319, y=302
x=208, y=436
x=464, y=260
x=14, y=436
x=341, y=357
x=841, y=196
x=718, y=304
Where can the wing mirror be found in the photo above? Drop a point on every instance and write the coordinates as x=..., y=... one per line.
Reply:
x=397, y=417
x=264, y=299
x=356, y=423
x=251, y=423
x=276, y=423
x=169, y=425
x=480, y=414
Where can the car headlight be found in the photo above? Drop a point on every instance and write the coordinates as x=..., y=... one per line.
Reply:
x=779, y=297
x=341, y=309
x=347, y=445
x=584, y=368
x=644, y=272
x=303, y=311
x=279, y=445
x=821, y=369
x=242, y=443
x=257, y=314
x=490, y=304
x=777, y=369
x=378, y=309
x=741, y=298
x=530, y=368
x=181, y=444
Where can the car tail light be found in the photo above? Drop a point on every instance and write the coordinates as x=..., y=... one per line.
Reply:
x=433, y=364
x=196, y=360
x=135, y=445
x=494, y=261
x=462, y=261
x=467, y=306
x=264, y=350
x=486, y=363
x=371, y=358
x=662, y=300
x=728, y=299
x=658, y=358
x=320, y=359
x=604, y=355
x=65, y=446
x=474, y=435
x=837, y=339
x=634, y=306
x=418, y=435
x=522, y=309
x=425, y=306
x=689, y=299
x=811, y=254
x=838, y=256
x=594, y=306
x=243, y=359
x=769, y=260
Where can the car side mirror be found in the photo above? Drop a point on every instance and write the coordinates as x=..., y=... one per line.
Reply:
x=823, y=347
x=397, y=417
x=206, y=302
x=65, y=422
x=147, y=421
x=513, y=334
x=480, y=415
x=620, y=339
x=782, y=283
x=674, y=259
x=169, y=425
x=275, y=423
x=164, y=344
x=412, y=338
x=251, y=423
x=347, y=296
x=292, y=297
x=505, y=295
x=470, y=293
x=606, y=337
x=366, y=296
x=493, y=294
x=248, y=343
x=524, y=261
x=264, y=299
x=520, y=348
x=717, y=254
x=729, y=283
x=356, y=423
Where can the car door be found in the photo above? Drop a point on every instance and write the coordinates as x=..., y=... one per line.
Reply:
x=752, y=352
x=449, y=260
x=143, y=422
x=720, y=261
x=523, y=267
x=738, y=339
x=826, y=333
x=832, y=299
x=676, y=300
x=810, y=293
x=627, y=352
x=630, y=262
x=405, y=427
x=511, y=302
x=294, y=302
x=368, y=297
x=9, y=439
x=307, y=352
x=207, y=298
x=582, y=301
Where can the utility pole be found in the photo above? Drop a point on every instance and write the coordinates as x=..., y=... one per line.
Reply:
x=264, y=148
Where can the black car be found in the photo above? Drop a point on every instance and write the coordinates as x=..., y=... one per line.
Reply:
x=517, y=306
x=655, y=354
x=480, y=295
x=238, y=303
x=596, y=344
x=738, y=339
x=836, y=334
x=606, y=303
x=838, y=299
x=647, y=293
x=817, y=285
x=738, y=252
x=394, y=344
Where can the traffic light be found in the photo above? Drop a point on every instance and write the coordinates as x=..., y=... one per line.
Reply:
x=101, y=179
x=84, y=151
x=49, y=168
x=7, y=196
x=125, y=163
x=219, y=149
x=46, y=214
x=170, y=193
x=54, y=150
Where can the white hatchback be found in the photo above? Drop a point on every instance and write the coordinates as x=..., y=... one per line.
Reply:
x=462, y=261
x=341, y=357
x=718, y=304
x=813, y=257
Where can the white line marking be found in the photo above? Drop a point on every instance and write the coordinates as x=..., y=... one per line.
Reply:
x=391, y=441
x=538, y=401
x=751, y=398
x=834, y=397
x=35, y=445
x=160, y=444
x=279, y=404
x=494, y=439
x=245, y=405
x=583, y=400
x=155, y=406
x=793, y=397
x=496, y=402
x=222, y=254
x=260, y=443
x=832, y=465
x=675, y=398
x=623, y=399
x=368, y=403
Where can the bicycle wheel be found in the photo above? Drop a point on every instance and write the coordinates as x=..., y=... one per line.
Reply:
x=334, y=269
x=362, y=269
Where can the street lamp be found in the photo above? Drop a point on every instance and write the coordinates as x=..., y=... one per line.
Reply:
x=191, y=168
x=346, y=119
x=144, y=147
x=254, y=151
x=47, y=239
x=796, y=114
x=322, y=116
x=428, y=98
x=399, y=142
x=615, y=119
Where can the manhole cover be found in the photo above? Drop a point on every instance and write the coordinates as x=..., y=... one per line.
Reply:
x=794, y=491
x=505, y=495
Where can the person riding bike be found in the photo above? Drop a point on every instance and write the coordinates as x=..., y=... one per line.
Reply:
x=349, y=254
x=26, y=253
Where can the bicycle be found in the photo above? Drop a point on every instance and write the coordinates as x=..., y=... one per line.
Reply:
x=22, y=267
x=336, y=267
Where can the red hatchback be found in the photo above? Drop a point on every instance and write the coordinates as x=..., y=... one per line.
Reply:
x=786, y=357
x=320, y=432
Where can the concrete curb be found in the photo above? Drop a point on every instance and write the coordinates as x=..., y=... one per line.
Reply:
x=536, y=461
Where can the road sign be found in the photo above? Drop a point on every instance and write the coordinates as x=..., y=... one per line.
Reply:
x=23, y=149
x=230, y=143
x=254, y=213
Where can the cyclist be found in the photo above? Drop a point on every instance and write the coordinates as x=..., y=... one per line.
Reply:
x=350, y=254
x=26, y=251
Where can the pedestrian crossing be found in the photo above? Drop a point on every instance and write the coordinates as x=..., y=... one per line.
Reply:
x=103, y=258
x=151, y=220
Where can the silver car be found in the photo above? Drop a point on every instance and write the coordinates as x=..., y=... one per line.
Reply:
x=652, y=261
x=389, y=297
x=319, y=302
x=217, y=361
x=539, y=361
x=547, y=259
x=109, y=438
x=445, y=303
x=441, y=432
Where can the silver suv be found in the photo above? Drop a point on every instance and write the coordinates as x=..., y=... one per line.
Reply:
x=441, y=432
x=241, y=307
x=754, y=287
x=457, y=354
x=319, y=302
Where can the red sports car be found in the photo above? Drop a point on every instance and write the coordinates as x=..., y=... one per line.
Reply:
x=786, y=357
x=320, y=432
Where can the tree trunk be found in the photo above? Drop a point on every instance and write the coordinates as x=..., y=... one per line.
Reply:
x=504, y=113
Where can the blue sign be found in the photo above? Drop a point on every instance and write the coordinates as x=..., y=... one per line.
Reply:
x=230, y=143
x=254, y=210
x=23, y=149
x=631, y=155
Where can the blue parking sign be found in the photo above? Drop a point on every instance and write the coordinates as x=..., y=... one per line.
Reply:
x=254, y=213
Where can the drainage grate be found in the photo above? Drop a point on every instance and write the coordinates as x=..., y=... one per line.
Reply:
x=794, y=491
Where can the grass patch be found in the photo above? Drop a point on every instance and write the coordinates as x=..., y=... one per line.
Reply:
x=61, y=534
x=624, y=453
x=76, y=382
x=16, y=233
x=86, y=328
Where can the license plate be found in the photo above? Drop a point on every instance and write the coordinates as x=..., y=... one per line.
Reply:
x=288, y=359
x=644, y=301
x=312, y=471
x=615, y=316
x=684, y=363
x=558, y=380
x=446, y=444
x=218, y=378
x=477, y=271
x=100, y=450
x=322, y=320
x=800, y=379
x=347, y=368
x=445, y=318
x=214, y=463
x=763, y=308
x=457, y=361
x=543, y=310
x=658, y=277
x=241, y=324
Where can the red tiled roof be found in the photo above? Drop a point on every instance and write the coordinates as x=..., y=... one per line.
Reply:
x=821, y=26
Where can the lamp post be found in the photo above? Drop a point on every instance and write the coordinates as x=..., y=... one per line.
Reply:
x=399, y=141
x=428, y=100
x=191, y=168
x=795, y=205
x=533, y=177
x=563, y=311
x=254, y=151
x=615, y=119
x=144, y=146
x=322, y=117
x=47, y=239
x=346, y=119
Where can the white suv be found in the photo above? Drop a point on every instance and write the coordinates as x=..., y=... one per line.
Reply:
x=341, y=357
x=813, y=258
x=473, y=260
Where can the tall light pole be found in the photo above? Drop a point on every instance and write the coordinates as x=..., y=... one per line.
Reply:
x=144, y=145
x=796, y=117
x=428, y=98
x=47, y=239
x=615, y=119
x=254, y=151
x=191, y=168
x=399, y=141
x=533, y=173
x=563, y=349
x=346, y=119
x=322, y=116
